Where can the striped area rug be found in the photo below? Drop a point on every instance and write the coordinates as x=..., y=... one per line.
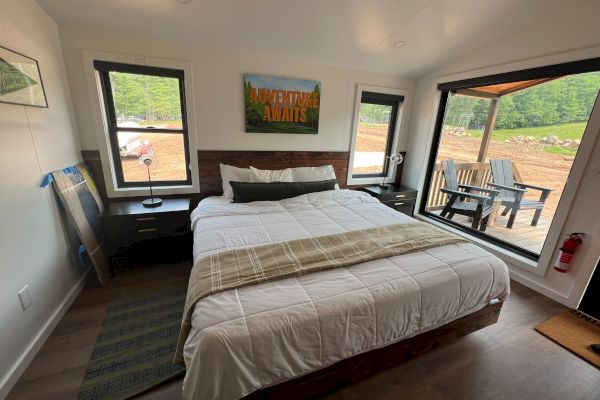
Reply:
x=135, y=347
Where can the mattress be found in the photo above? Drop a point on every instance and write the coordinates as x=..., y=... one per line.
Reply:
x=261, y=335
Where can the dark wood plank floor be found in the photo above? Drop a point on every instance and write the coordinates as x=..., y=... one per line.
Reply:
x=508, y=360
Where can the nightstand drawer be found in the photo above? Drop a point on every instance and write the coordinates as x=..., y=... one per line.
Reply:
x=400, y=198
x=405, y=206
x=129, y=224
x=400, y=203
x=146, y=224
x=403, y=196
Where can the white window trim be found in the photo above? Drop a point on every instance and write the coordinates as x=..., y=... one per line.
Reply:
x=551, y=245
x=399, y=131
x=101, y=129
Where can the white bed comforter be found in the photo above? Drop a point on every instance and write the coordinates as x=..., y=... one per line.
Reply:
x=258, y=336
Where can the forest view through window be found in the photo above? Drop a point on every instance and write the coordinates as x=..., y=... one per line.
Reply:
x=146, y=120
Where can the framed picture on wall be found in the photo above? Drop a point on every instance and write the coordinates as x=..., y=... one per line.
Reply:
x=275, y=104
x=20, y=80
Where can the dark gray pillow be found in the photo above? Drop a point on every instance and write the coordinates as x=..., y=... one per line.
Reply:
x=245, y=192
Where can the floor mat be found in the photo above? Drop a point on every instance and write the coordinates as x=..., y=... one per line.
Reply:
x=135, y=347
x=574, y=331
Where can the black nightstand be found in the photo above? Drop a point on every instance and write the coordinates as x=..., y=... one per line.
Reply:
x=160, y=234
x=400, y=198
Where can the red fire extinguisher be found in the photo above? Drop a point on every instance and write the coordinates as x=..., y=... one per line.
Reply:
x=566, y=252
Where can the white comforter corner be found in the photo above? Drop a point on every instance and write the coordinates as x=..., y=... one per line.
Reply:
x=258, y=336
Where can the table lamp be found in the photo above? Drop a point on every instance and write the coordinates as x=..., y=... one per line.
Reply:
x=152, y=201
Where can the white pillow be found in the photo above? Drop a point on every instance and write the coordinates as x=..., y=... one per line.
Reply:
x=231, y=173
x=269, y=175
x=313, y=174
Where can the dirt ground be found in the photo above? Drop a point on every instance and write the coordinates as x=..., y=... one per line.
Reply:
x=536, y=167
x=168, y=162
x=370, y=139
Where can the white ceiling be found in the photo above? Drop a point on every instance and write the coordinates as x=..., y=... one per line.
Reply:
x=356, y=34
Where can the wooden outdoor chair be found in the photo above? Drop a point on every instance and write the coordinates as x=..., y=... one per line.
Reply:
x=512, y=193
x=463, y=202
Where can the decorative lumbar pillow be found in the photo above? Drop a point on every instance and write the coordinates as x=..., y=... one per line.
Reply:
x=245, y=192
x=312, y=174
x=230, y=173
x=270, y=175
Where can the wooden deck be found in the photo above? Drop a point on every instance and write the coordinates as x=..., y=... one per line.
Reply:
x=522, y=234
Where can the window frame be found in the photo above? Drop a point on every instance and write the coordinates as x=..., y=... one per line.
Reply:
x=99, y=125
x=104, y=69
x=396, y=98
x=444, y=88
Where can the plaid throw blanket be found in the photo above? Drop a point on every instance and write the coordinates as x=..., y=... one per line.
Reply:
x=235, y=268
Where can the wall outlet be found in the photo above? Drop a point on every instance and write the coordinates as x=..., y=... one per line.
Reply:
x=25, y=297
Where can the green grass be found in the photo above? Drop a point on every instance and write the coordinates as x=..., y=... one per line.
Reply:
x=563, y=132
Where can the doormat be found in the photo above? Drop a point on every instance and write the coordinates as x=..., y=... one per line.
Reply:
x=574, y=331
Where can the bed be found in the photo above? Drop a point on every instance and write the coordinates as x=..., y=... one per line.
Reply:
x=255, y=337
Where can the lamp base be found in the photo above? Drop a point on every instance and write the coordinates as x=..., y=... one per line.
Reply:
x=384, y=185
x=153, y=202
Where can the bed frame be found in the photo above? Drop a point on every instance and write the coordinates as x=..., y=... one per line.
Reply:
x=350, y=370
x=361, y=366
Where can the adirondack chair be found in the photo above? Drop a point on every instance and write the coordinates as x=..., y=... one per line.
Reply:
x=512, y=193
x=464, y=202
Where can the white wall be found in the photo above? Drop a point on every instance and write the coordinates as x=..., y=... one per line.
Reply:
x=566, y=34
x=218, y=90
x=33, y=244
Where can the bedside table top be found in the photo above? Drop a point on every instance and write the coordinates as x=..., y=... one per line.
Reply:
x=378, y=190
x=136, y=207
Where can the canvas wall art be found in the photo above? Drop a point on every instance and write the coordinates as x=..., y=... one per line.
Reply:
x=276, y=104
x=20, y=80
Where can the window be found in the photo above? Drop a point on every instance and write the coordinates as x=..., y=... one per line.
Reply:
x=376, y=127
x=146, y=119
x=503, y=149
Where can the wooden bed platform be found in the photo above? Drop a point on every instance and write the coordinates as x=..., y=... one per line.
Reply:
x=364, y=365
x=346, y=371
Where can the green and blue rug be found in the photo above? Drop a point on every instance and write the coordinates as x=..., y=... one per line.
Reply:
x=135, y=347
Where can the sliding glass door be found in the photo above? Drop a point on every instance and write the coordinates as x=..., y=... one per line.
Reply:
x=503, y=149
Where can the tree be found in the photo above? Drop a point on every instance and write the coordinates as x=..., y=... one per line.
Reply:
x=312, y=113
x=564, y=100
x=508, y=117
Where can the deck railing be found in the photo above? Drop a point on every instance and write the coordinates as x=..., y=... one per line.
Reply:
x=476, y=174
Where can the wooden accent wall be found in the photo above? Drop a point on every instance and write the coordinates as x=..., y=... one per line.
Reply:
x=210, y=175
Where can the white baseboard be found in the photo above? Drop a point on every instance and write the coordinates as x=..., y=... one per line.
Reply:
x=15, y=372
x=548, y=292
